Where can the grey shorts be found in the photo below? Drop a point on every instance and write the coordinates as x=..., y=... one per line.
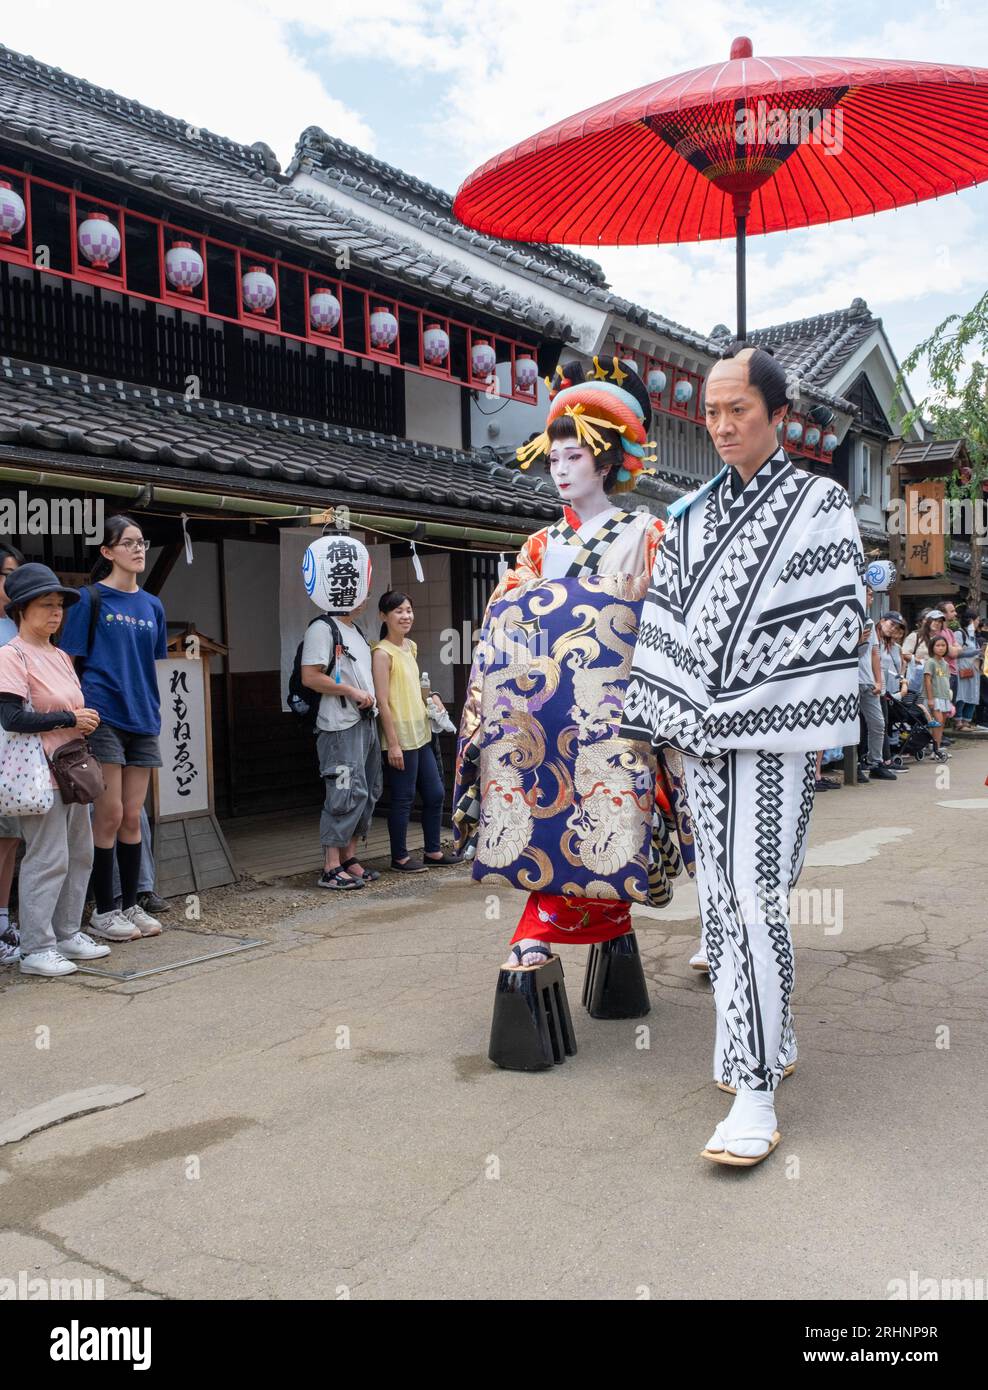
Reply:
x=126, y=749
x=350, y=766
x=10, y=828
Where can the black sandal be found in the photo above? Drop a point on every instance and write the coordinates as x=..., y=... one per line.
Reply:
x=338, y=882
x=368, y=875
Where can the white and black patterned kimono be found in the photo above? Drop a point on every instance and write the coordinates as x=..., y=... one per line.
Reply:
x=746, y=662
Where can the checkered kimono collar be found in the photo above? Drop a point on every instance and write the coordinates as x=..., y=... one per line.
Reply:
x=587, y=551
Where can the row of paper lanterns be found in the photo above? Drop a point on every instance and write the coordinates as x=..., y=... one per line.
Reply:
x=99, y=242
x=682, y=392
x=810, y=436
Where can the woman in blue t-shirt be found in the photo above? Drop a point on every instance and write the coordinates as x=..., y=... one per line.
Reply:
x=116, y=633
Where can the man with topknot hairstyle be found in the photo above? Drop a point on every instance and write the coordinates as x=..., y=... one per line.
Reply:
x=746, y=664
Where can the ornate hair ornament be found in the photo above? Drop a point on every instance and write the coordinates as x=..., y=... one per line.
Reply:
x=599, y=402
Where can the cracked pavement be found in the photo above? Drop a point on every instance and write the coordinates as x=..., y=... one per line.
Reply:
x=321, y=1121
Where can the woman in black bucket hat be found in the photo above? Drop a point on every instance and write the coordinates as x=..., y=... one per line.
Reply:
x=40, y=695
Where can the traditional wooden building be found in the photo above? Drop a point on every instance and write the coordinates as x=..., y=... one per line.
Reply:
x=188, y=336
x=846, y=353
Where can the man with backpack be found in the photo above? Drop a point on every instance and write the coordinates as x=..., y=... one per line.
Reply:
x=334, y=662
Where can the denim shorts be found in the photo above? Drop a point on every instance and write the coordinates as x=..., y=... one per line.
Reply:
x=126, y=749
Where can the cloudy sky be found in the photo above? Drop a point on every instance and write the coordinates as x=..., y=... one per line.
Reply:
x=438, y=86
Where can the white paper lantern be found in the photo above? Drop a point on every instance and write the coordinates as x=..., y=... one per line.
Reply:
x=656, y=381
x=526, y=372
x=435, y=345
x=324, y=309
x=99, y=240
x=682, y=392
x=383, y=328
x=259, y=290
x=183, y=267
x=336, y=572
x=483, y=359
x=812, y=437
x=12, y=211
x=880, y=576
x=829, y=443
x=794, y=432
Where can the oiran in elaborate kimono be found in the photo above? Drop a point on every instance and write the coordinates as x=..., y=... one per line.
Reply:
x=554, y=800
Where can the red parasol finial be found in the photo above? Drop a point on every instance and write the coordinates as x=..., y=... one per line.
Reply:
x=741, y=48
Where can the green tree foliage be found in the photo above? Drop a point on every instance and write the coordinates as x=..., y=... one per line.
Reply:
x=957, y=406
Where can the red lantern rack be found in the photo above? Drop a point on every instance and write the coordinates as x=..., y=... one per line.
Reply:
x=407, y=353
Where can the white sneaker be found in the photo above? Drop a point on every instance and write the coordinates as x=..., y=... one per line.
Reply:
x=143, y=921
x=46, y=963
x=113, y=926
x=9, y=955
x=700, y=962
x=82, y=947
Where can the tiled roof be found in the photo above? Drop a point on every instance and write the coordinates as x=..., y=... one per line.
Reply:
x=42, y=108
x=208, y=445
x=401, y=195
x=412, y=199
x=937, y=451
x=959, y=555
x=816, y=348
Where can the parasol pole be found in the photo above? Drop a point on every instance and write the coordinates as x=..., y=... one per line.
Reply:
x=742, y=203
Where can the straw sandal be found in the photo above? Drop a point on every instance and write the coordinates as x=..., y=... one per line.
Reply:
x=732, y=1160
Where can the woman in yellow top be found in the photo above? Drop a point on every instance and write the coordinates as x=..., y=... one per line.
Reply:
x=406, y=737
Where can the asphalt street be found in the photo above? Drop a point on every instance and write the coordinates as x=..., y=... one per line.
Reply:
x=319, y=1118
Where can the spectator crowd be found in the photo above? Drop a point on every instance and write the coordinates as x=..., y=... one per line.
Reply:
x=916, y=689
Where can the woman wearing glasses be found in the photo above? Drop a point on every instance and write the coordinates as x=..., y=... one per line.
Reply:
x=116, y=633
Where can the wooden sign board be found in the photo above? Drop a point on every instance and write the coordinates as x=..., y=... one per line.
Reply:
x=923, y=548
x=183, y=778
x=191, y=853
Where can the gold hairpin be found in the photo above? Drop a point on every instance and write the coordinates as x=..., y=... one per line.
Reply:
x=600, y=373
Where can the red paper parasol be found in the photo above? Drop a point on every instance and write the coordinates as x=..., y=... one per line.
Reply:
x=747, y=146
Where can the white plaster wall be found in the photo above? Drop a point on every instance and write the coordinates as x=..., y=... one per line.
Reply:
x=432, y=604
x=432, y=411
x=587, y=322
x=252, y=603
x=875, y=361
x=512, y=421
x=191, y=593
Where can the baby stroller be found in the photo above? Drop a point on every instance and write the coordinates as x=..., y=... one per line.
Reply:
x=907, y=731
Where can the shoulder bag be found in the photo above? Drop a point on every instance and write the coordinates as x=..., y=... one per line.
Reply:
x=78, y=772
